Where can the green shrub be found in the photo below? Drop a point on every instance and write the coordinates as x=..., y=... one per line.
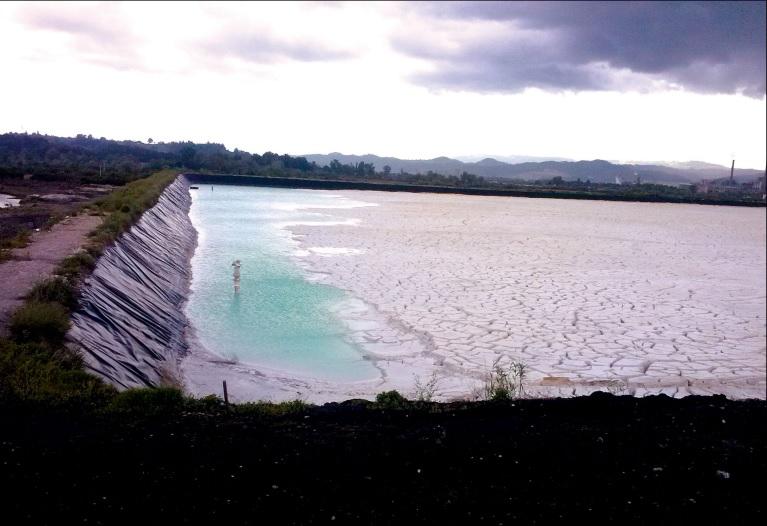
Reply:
x=40, y=321
x=148, y=401
x=391, y=400
x=58, y=290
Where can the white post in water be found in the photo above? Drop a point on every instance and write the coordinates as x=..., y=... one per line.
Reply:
x=236, y=275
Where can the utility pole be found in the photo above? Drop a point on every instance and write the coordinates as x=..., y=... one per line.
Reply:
x=732, y=172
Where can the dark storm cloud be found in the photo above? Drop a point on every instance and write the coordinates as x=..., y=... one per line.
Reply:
x=259, y=47
x=703, y=46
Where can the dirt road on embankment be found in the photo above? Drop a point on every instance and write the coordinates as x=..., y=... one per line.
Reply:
x=38, y=260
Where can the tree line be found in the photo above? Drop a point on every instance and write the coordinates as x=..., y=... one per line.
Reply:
x=87, y=159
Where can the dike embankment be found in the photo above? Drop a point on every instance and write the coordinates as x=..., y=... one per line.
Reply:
x=129, y=323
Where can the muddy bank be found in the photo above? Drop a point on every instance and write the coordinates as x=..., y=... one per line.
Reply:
x=130, y=323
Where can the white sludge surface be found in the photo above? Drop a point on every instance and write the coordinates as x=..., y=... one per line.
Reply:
x=638, y=298
x=635, y=298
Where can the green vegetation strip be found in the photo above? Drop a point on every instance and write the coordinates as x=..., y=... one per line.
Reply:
x=36, y=362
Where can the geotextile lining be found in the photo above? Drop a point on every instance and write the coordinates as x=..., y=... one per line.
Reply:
x=129, y=323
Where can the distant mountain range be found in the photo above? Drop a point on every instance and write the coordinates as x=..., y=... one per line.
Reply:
x=510, y=159
x=598, y=171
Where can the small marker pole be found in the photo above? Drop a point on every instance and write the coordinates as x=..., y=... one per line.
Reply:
x=226, y=395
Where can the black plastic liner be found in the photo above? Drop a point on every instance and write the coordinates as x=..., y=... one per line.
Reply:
x=130, y=324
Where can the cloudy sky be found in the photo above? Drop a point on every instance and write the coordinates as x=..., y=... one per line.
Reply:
x=619, y=81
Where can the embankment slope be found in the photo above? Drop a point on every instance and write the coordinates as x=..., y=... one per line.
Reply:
x=129, y=322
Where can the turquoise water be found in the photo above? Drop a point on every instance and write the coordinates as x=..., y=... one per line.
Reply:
x=278, y=319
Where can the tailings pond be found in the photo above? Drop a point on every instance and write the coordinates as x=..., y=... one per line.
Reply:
x=278, y=319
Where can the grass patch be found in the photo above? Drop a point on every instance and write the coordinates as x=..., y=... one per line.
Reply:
x=167, y=401
x=154, y=401
x=40, y=321
x=39, y=373
x=124, y=206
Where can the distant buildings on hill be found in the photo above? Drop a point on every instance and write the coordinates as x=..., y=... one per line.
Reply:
x=731, y=186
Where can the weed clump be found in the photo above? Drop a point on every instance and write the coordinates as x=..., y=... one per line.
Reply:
x=76, y=265
x=505, y=384
x=426, y=390
x=58, y=290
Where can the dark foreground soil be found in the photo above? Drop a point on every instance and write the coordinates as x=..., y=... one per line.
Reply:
x=651, y=460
